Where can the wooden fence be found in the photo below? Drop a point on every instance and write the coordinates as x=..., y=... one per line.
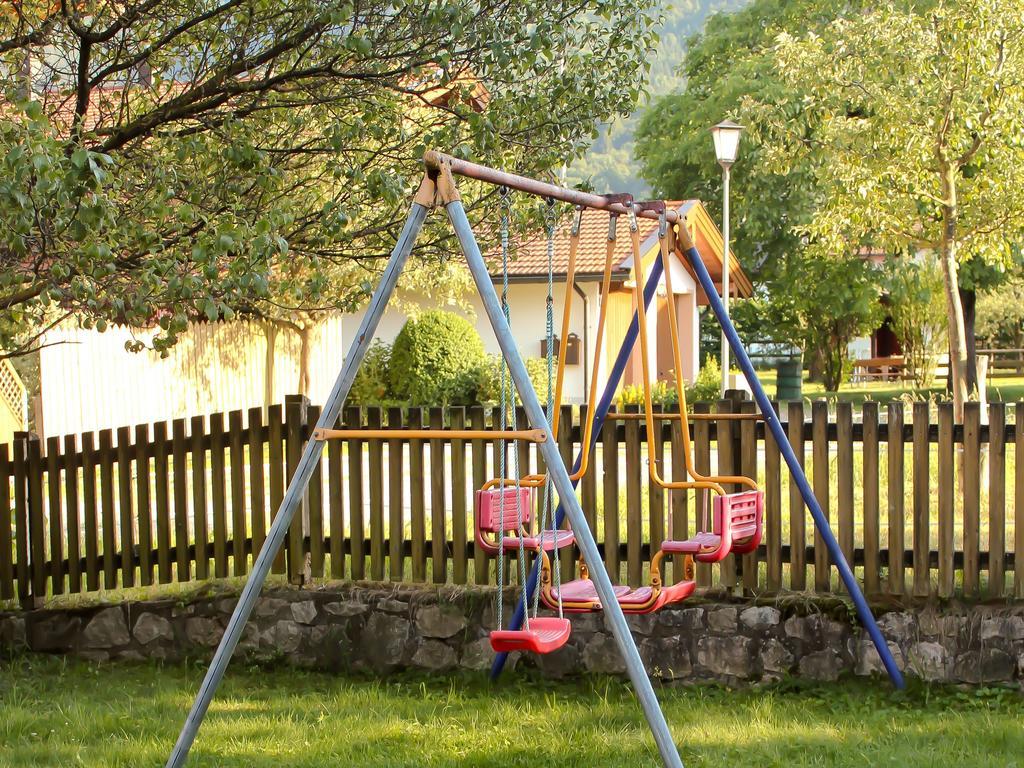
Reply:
x=192, y=500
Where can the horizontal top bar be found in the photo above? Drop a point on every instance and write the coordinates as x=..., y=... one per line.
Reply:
x=532, y=435
x=433, y=160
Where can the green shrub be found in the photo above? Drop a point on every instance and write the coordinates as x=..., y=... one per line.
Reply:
x=432, y=356
x=708, y=385
x=371, y=385
x=482, y=384
x=704, y=389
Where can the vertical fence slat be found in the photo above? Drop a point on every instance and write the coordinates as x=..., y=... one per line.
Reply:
x=728, y=463
x=438, y=507
x=181, y=513
x=458, y=464
x=143, y=501
x=972, y=497
x=200, y=512
x=163, y=498
x=588, y=483
x=895, y=519
x=748, y=467
x=239, y=526
x=56, y=514
x=634, y=511
x=396, y=499
x=844, y=471
x=336, y=494
x=610, y=490
x=36, y=521
x=565, y=449
x=375, y=451
x=257, y=493
x=773, y=509
x=219, y=493
x=21, y=525
x=417, y=500
x=275, y=466
x=316, y=509
x=922, y=499
x=294, y=424
x=6, y=539
x=109, y=535
x=1018, y=502
x=869, y=452
x=946, y=500
x=353, y=419
x=124, y=501
x=797, y=513
x=479, y=452
x=702, y=463
x=996, y=498
x=820, y=469
x=679, y=523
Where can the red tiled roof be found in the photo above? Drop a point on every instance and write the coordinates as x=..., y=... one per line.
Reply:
x=530, y=258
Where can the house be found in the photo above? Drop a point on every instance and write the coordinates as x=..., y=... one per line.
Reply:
x=528, y=292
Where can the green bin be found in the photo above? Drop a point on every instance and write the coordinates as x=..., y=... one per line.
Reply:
x=789, y=380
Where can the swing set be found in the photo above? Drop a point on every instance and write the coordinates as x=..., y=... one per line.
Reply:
x=503, y=509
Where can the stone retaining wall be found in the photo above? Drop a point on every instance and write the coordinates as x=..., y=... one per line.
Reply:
x=379, y=630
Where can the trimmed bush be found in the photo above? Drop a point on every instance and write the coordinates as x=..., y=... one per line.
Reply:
x=371, y=385
x=432, y=357
x=483, y=384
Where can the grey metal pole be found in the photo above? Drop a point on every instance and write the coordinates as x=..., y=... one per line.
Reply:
x=724, y=357
x=563, y=485
x=297, y=486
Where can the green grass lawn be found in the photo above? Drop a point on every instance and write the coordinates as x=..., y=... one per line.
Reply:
x=57, y=713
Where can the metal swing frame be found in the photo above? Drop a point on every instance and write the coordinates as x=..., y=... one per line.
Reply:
x=438, y=189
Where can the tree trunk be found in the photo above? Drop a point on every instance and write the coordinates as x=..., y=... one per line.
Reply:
x=270, y=332
x=954, y=309
x=968, y=299
x=305, y=332
x=816, y=365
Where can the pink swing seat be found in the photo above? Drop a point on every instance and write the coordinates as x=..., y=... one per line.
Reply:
x=736, y=525
x=503, y=510
x=546, y=634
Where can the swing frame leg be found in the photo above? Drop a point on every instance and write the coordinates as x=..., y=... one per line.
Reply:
x=564, y=487
x=296, y=488
x=771, y=419
x=598, y=416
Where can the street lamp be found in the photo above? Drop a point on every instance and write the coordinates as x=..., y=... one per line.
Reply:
x=727, y=141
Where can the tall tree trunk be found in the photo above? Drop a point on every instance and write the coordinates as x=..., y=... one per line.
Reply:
x=968, y=299
x=954, y=309
x=270, y=332
x=305, y=332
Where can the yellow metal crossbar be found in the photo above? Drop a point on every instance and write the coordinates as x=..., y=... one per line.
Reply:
x=532, y=435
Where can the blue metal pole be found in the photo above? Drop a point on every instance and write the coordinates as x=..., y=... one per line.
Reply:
x=600, y=412
x=772, y=420
x=309, y=461
x=563, y=486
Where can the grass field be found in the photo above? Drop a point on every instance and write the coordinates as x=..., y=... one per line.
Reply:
x=57, y=713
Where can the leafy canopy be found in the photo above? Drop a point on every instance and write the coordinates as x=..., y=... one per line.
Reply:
x=174, y=159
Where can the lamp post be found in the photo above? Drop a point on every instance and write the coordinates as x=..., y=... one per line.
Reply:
x=727, y=140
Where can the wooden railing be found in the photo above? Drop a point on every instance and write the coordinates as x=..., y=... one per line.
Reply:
x=920, y=505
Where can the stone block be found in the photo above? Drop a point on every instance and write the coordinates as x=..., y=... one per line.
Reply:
x=723, y=619
x=684, y=618
x=667, y=658
x=12, y=633
x=760, y=617
x=477, y=654
x=440, y=621
x=304, y=611
x=868, y=661
x=382, y=641
x=601, y=655
x=775, y=657
x=346, y=609
x=434, y=655
x=106, y=629
x=929, y=661
x=726, y=655
x=1002, y=628
x=817, y=630
x=269, y=607
x=57, y=632
x=821, y=665
x=284, y=636
x=203, y=630
x=642, y=623
x=898, y=626
x=150, y=627
x=390, y=605
x=991, y=665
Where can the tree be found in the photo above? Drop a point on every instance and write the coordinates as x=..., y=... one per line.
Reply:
x=1001, y=315
x=917, y=311
x=919, y=109
x=174, y=159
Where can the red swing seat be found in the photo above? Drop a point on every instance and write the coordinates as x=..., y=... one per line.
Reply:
x=736, y=526
x=546, y=634
x=501, y=510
